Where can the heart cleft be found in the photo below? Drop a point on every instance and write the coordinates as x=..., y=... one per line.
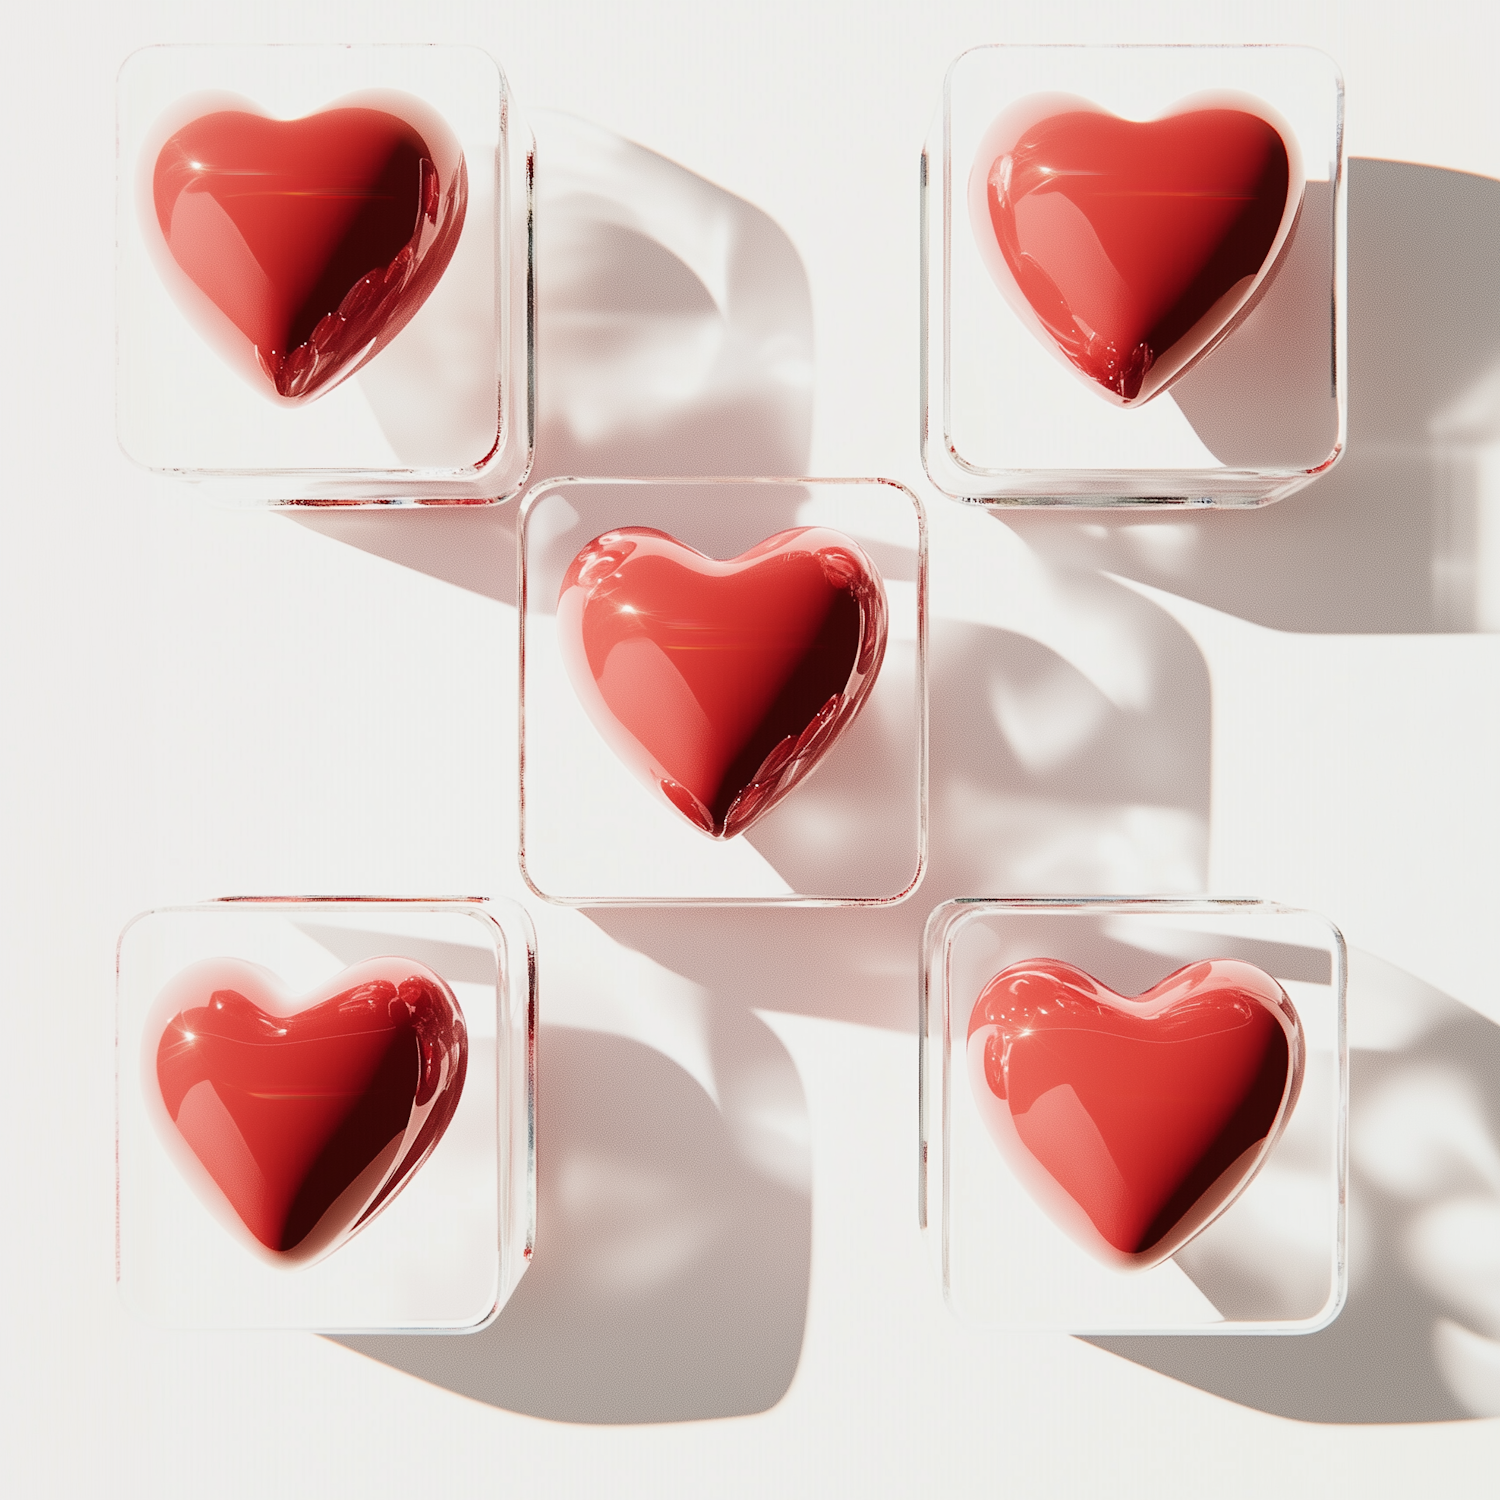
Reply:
x=722, y=685
x=297, y=1122
x=1134, y=1123
x=301, y=248
x=1130, y=248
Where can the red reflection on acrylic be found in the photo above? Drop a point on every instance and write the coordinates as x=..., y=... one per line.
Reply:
x=722, y=684
x=305, y=1117
x=307, y=245
x=1133, y=246
x=1134, y=1122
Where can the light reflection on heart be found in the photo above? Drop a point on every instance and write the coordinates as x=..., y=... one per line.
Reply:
x=300, y=248
x=1134, y=1122
x=722, y=685
x=1131, y=247
x=297, y=1120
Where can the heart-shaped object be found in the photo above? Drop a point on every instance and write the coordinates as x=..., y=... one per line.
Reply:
x=298, y=1120
x=301, y=248
x=1132, y=247
x=1135, y=1123
x=722, y=684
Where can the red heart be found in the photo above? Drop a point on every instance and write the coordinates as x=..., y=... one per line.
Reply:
x=301, y=248
x=722, y=684
x=305, y=1117
x=1134, y=1123
x=1133, y=247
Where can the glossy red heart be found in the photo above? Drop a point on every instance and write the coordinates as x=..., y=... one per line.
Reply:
x=722, y=684
x=1132, y=247
x=298, y=1120
x=1134, y=1123
x=301, y=248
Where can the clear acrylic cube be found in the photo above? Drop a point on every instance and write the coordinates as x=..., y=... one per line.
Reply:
x=1042, y=1135
x=354, y=327
x=1133, y=275
x=325, y=1113
x=835, y=796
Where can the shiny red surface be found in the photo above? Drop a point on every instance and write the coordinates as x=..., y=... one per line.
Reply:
x=722, y=684
x=1134, y=245
x=309, y=244
x=1134, y=1122
x=308, y=1116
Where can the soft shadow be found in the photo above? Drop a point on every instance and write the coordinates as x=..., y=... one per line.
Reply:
x=1403, y=533
x=1265, y=395
x=674, y=320
x=456, y=962
x=673, y=336
x=674, y=1240
x=433, y=391
x=854, y=825
x=1419, y=1338
x=716, y=519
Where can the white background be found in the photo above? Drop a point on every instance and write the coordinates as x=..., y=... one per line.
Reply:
x=200, y=702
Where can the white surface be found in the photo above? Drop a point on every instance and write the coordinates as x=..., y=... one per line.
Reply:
x=202, y=701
